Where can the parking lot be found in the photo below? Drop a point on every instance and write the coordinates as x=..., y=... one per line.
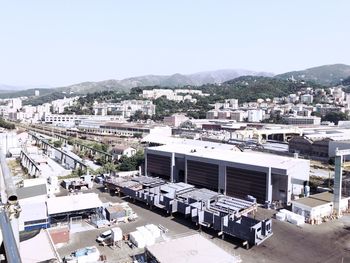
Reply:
x=145, y=216
x=328, y=242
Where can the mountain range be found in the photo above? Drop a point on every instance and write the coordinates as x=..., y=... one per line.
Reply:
x=326, y=75
x=175, y=80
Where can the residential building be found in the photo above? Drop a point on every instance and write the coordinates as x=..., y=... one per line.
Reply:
x=307, y=98
x=302, y=120
x=256, y=115
x=126, y=108
x=175, y=120
x=122, y=150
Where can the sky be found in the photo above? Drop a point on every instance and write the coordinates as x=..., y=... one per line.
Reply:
x=62, y=42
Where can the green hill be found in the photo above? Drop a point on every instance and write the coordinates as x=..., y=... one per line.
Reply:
x=325, y=75
x=251, y=88
x=346, y=82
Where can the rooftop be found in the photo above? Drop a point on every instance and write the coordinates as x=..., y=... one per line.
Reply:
x=33, y=211
x=250, y=158
x=64, y=204
x=159, y=139
x=29, y=249
x=316, y=199
x=31, y=191
x=190, y=249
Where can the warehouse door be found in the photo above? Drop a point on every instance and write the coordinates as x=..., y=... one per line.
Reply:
x=203, y=175
x=241, y=182
x=159, y=166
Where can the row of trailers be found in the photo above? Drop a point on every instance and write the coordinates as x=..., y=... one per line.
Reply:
x=227, y=215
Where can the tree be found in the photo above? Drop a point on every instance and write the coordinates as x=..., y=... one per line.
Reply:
x=109, y=167
x=335, y=116
x=6, y=125
x=57, y=144
x=187, y=125
x=315, y=113
x=131, y=163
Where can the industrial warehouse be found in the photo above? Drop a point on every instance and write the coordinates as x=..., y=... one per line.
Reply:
x=230, y=172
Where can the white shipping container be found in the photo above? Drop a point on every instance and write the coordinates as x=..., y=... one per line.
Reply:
x=147, y=235
x=281, y=216
x=293, y=217
x=137, y=239
x=117, y=234
x=154, y=230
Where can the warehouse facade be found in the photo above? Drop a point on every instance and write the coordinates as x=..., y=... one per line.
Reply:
x=263, y=176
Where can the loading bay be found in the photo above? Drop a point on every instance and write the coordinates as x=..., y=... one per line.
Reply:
x=326, y=243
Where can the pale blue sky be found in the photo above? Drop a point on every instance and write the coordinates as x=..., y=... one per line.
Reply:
x=62, y=42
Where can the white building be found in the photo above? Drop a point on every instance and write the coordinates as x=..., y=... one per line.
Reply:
x=338, y=94
x=126, y=108
x=122, y=150
x=59, y=105
x=307, y=98
x=15, y=103
x=231, y=103
x=292, y=98
x=175, y=120
x=256, y=115
x=301, y=120
x=176, y=95
x=228, y=170
x=317, y=207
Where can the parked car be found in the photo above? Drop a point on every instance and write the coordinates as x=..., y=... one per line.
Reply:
x=104, y=236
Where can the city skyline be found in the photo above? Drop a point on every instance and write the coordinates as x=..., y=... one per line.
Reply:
x=62, y=43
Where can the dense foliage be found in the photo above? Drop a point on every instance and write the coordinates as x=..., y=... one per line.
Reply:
x=131, y=163
x=245, y=89
x=35, y=101
x=6, y=124
x=335, y=117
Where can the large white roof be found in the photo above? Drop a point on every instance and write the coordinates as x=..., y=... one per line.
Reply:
x=190, y=249
x=37, y=249
x=249, y=157
x=64, y=204
x=33, y=211
x=159, y=139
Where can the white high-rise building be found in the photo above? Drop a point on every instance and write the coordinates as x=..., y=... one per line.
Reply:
x=255, y=115
x=307, y=98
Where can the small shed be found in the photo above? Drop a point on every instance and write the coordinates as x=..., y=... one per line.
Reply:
x=317, y=207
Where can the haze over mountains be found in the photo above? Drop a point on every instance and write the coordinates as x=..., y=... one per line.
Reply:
x=326, y=75
x=175, y=80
